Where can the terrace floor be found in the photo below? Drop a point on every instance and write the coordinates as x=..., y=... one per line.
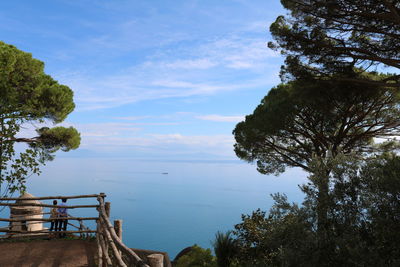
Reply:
x=59, y=252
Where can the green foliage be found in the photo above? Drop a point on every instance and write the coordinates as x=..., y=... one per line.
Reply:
x=225, y=249
x=59, y=138
x=324, y=120
x=197, y=257
x=380, y=200
x=28, y=95
x=303, y=119
x=363, y=218
x=321, y=37
x=26, y=92
x=281, y=238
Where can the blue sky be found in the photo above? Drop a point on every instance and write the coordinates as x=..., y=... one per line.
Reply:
x=152, y=79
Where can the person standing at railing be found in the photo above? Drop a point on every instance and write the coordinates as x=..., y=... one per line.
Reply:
x=54, y=217
x=62, y=213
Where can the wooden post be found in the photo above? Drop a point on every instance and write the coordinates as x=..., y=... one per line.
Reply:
x=118, y=228
x=108, y=208
x=80, y=228
x=156, y=260
x=99, y=248
x=107, y=260
x=104, y=245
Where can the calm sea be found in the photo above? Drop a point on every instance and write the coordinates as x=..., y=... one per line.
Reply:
x=167, y=205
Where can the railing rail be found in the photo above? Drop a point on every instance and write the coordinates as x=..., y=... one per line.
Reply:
x=49, y=220
x=47, y=205
x=50, y=197
x=111, y=251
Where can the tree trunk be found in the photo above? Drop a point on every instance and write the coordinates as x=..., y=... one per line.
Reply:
x=322, y=218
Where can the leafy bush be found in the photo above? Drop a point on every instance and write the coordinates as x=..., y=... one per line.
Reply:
x=197, y=257
x=225, y=249
x=363, y=221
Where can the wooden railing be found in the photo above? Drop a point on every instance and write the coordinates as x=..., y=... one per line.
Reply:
x=111, y=251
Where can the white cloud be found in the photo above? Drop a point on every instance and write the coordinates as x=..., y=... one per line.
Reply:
x=118, y=90
x=169, y=143
x=202, y=68
x=198, y=140
x=239, y=53
x=132, y=118
x=220, y=118
x=126, y=137
x=105, y=130
x=200, y=63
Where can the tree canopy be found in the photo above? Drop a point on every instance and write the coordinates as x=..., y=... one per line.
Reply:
x=320, y=36
x=28, y=95
x=325, y=119
x=303, y=119
x=363, y=220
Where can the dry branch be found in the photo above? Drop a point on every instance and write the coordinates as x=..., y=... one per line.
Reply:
x=117, y=254
x=105, y=251
x=124, y=249
x=99, y=249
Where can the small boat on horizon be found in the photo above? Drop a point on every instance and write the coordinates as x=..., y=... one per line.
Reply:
x=164, y=173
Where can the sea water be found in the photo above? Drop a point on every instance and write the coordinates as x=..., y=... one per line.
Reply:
x=166, y=205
